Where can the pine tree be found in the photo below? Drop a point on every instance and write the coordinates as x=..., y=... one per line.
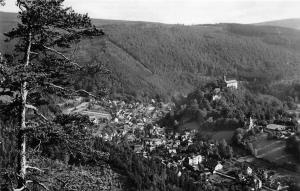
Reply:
x=39, y=67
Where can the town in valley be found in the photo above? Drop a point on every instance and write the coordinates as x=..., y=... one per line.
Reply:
x=169, y=96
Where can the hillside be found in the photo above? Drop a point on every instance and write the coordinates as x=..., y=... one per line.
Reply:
x=159, y=59
x=288, y=23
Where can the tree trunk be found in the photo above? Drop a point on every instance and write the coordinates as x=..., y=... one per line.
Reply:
x=21, y=166
x=21, y=143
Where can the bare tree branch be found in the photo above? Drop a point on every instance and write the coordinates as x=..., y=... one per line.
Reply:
x=42, y=185
x=56, y=86
x=86, y=92
x=76, y=91
x=23, y=187
x=38, y=146
x=19, y=189
x=30, y=181
x=62, y=55
x=34, y=168
x=36, y=111
x=2, y=2
x=34, y=53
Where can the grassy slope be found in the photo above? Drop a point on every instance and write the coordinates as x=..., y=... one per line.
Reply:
x=288, y=23
x=154, y=58
x=272, y=150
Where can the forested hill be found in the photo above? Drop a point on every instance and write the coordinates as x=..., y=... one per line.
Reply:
x=153, y=58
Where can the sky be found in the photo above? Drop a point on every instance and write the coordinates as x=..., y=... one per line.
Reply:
x=184, y=11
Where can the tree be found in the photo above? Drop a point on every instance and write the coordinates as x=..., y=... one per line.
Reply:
x=223, y=147
x=251, y=148
x=201, y=114
x=40, y=67
x=194, y=106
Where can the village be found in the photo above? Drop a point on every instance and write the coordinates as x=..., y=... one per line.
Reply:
x=137, y=124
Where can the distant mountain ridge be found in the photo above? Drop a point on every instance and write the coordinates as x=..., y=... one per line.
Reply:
x=149, y=59
x=293, y=23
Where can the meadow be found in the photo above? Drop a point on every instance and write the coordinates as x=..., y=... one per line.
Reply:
x=272, y=150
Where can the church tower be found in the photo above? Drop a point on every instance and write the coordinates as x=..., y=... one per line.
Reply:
x=224, y=78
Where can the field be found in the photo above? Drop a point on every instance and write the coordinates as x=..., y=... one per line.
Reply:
x=272, y=150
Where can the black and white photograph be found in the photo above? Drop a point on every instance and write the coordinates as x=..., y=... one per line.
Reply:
x=150, y=95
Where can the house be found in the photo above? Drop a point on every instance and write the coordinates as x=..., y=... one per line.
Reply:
x=130, y=137
x=151, y=148
x=154, y=141
x=145, y=154
x=106, y=137
x=257, y=183
x=216, y=97
x=176, y=143
x=195, y=160
x=280, y=187
x=96, y=117
x=186, y=135
x=116, y=120
x=179, y=174
x=216, y=94
x=217, y=90
x=249, y=171
x=275, y=127
x=172, y=151
x=176, y=136
x=138, y=148
x=231, y=83
x=218, y=167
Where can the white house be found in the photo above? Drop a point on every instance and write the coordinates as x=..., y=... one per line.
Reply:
x=172, y=151
x=195, y=160
x=216, y=97
x=218, y=167
x=179, y=174
x=231, y=83
x=216, y=94
x=249, y=171
x=275, y=127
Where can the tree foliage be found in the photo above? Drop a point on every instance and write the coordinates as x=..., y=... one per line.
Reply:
x=231, y=111
x=39, y=66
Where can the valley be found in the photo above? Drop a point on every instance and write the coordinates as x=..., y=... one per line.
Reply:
x=95, y=104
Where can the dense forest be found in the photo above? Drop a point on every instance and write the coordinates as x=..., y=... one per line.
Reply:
x=149, y=59
x=230, y=110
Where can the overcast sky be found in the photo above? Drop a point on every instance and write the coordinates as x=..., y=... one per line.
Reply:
x=184, y=11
